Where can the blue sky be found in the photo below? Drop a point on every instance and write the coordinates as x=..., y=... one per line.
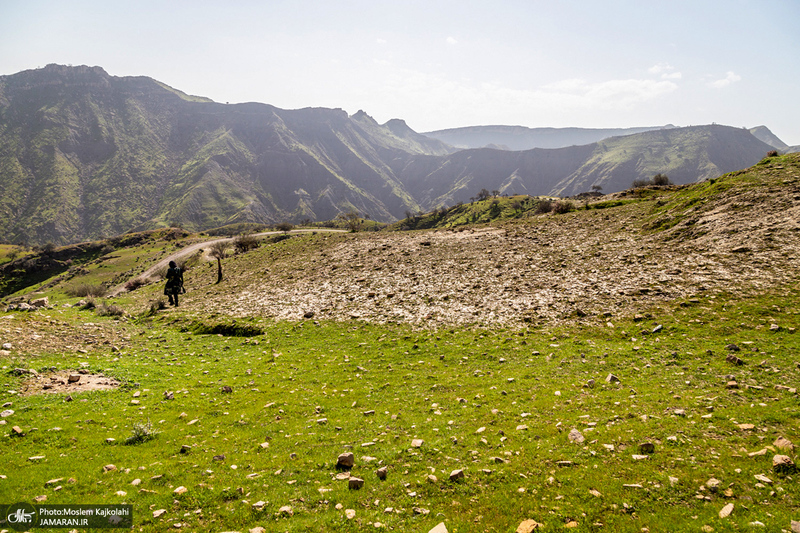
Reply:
x=443, y=63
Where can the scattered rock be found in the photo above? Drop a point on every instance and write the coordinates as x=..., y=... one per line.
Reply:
x=355, y=483
x=763, y=479
x=417, y=443
x=345, y=461
x=783, y=443
x=350, y=513
x=160, y=512
x=726, y=511
x=611, y=378
x=783, y=464
x=74, y=378
x=528, y=526
x=180, y=490
x=439, y=528
x=732, y=359
x=456, y=475
x=576, y=436
x=226, y=389
x=713, y=484
x=109, y=468
x=6, y=413
x=647, y=448
x=382, y=472
x=259, y=505
x=286, y=510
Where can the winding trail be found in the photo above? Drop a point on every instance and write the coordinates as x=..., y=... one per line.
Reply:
x=192, y=248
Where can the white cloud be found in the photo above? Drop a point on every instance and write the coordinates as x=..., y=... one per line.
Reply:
x=731, y=77
x=666, y=71
x=381, y=41
x=461, y=101
x=452, y=41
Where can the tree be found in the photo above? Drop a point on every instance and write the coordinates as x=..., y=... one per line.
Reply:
x=218, y=251
x=483, y=195
x=285, y=227
x=351, y=220
x=597, y=188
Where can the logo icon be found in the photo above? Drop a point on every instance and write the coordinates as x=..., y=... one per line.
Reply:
x=21, y=516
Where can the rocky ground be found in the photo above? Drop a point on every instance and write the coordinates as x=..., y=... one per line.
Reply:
x=544, y=269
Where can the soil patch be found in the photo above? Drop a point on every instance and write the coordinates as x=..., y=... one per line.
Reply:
x=59, y=383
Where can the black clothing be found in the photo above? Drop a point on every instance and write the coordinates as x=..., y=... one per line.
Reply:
x=174, y=284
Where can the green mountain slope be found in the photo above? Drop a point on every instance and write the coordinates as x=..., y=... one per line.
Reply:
x=85, y=155
x=685, y=155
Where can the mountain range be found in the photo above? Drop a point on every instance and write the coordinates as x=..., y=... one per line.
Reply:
x=86, y=155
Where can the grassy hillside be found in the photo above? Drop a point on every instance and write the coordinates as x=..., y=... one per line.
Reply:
x=686, y=155
x=628, y=367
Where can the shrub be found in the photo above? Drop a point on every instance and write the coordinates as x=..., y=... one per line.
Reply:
x=284, y=227
x=134, y=284
x=772, y=153
x=110, y=310
x=82, y=290
x=245, y=243
x=157, y=305
x=142, y=432
x=563, y=206
x=661, y=180
x=545, y=205
x=88, y=304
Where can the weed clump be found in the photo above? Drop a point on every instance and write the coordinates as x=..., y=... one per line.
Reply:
x=227, y=329
x=157, y=305
x=106, y=309
x=82, y=290
x=142, y=432
x=134, y=284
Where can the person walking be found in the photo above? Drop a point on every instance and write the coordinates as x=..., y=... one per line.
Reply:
x=174, y=284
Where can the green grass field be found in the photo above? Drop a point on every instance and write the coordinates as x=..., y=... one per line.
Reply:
x=497, y=404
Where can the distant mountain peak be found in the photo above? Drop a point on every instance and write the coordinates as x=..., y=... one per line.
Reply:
x=399, y=127
x=363, y=116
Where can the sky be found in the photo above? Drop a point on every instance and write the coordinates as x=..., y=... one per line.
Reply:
x=441, y=64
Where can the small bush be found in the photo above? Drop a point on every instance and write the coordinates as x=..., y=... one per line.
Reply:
x=544, y=205
x=142, y=432
x=110, y=310
x=284, y=227
x=563, y=206
x=772, y=153
x=134, y=284
x=661, y=180
x=88, y=304
x=245, y=243
x=157, y=305
x=82, y=290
